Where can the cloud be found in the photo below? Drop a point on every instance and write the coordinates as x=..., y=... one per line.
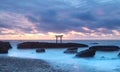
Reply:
x=15, y=21
x=84, y=16
x=116, y=32
x=92, y=18
x=112, y=23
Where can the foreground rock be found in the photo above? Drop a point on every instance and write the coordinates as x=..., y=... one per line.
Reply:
x=5, y=44
x=86, y=53
x=105, y=48
x=71, y=50
x=11, y=64
x=48, y=45
x=3, y=50
x=40, y=50
x=4, y=47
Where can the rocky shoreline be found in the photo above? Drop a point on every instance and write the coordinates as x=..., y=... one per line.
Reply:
x=29, y=45
x=13, y=64
x=4, y=47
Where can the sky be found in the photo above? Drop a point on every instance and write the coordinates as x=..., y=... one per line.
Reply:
x=75, y=19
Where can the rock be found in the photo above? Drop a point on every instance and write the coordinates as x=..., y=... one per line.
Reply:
x=4, y=47
x=3, y=50
x=94, y=43
x=40, y=50
x=105, y=48
x=71, y=50
x=86, y=53
x=5, y=44
x=29, y=45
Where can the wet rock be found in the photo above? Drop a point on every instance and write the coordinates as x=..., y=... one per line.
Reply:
x=105, y=48
x=3, y=50
x=5, y=44
x=4, y=47
x=71, y=50
x=48, y=45
x=94, y=43
x=86, y=53
x=40, y=50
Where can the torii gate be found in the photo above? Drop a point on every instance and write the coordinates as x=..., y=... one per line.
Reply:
x=58, y=36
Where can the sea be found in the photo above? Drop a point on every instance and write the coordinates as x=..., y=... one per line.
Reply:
x=101, y=62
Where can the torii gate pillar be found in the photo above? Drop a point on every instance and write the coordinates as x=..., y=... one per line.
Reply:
x=58, y=37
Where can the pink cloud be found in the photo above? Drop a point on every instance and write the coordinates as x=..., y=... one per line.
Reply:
x=87, y=29
x=17, y=21
x=101, y=29
x=116, y=32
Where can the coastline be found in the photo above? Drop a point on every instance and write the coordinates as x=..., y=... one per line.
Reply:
x=57, y=61
x=14, y=64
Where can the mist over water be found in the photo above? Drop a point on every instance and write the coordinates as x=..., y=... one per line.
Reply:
x=101, y=62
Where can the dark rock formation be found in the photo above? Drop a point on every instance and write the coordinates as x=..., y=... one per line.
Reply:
x=40, y=50
x=86, y=53
x=105, y=48
x=4, y=47
x=5, y=44
x=3, y=50
x=48, y=45
x=71, y=50
x=94, y=43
